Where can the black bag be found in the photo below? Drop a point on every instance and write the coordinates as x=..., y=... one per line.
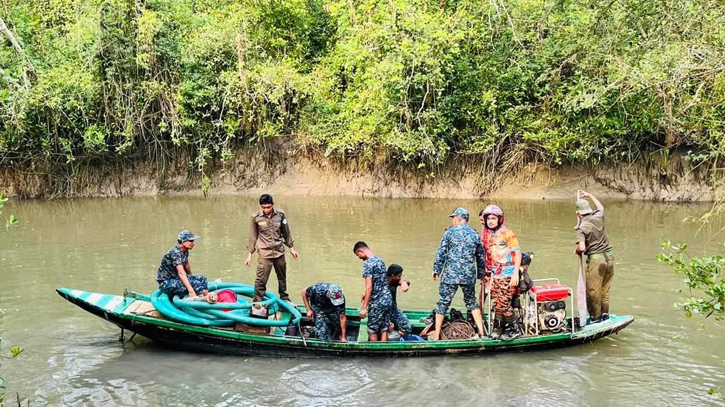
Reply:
x=525, y=282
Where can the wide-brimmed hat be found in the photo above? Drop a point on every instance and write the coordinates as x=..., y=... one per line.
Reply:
x=583, y=207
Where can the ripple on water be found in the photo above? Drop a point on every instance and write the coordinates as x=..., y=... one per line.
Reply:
x=333, y=383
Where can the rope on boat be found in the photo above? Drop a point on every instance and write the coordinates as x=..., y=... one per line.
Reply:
x=224, y=314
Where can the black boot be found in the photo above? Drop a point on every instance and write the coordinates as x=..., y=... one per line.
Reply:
x=511, y=331
x=497, y=328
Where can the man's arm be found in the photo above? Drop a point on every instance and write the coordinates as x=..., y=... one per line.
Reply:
x=185, y=280
x=404, y=285
x=253, y=234
x=252, y=242
x=366, y=296
x=440, y=259
x=513, y=243
x=286, y=234
x=306, y=301
x=517, y=266
x=480, y=261
x=187, y=267
x=585, y=194
x=581, y=245
x=343, y=327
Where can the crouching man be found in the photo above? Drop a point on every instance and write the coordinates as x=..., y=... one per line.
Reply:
x=398, y=318
x=174, y=274
x=326, y=306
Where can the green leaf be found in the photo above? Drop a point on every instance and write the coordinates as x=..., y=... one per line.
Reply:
x=16, y=350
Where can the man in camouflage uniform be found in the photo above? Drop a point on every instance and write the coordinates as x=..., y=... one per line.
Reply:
x=377, y=301
x=398, y=318
x=269, y=233
x=174, y=274
x=326, y=306
x=459, y=262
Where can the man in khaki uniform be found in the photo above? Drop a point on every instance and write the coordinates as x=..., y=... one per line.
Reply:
x=269, y=233
x=592, y=241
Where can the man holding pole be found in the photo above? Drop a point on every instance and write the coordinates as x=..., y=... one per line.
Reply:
x=592, y=242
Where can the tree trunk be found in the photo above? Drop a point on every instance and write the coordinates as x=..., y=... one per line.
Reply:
x=28, y=65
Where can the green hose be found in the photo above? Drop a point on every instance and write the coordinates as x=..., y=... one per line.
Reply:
x=205, y=314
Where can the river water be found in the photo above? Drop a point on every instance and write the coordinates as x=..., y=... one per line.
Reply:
x=72, y=358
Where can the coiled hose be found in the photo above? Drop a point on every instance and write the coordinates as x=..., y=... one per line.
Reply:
x=205, y=314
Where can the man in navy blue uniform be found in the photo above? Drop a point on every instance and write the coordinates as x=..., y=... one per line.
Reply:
x=377, y=301
x=459, y=262
x=174, y=273
x=326, y=306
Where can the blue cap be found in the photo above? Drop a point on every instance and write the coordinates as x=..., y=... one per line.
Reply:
x=186, y=235
x=459, y=212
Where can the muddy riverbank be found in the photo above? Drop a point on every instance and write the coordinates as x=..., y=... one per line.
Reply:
x=252, y=172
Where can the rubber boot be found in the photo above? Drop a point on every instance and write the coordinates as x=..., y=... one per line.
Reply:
x=511, y=331
x=497, y=327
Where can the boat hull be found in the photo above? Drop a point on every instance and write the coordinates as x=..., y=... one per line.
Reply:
x=181, y=336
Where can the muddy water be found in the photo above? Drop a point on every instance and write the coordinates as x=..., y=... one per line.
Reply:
x=74, y=358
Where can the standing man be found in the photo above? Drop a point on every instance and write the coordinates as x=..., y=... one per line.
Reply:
x=269, y=233
x=174, y=273
x=592, y=241
x=460, y=260
x=503, y=260
x=325, y=305
x=377, y=303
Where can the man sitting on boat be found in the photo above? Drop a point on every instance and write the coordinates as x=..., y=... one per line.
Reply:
x=325, y=305
x=398, y=318
x=174, y=274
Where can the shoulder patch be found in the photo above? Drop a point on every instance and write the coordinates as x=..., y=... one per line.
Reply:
x=284, y=221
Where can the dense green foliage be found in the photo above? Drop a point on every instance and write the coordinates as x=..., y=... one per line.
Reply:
x=418, y=81
x=703, y=276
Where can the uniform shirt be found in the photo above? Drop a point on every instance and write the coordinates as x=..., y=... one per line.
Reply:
x=394, y=292
x=375, y=267
x=167, y=270
x=501, y=246
x=269, y=234
x=317, y=296
x=460, y=257
x=590, y=230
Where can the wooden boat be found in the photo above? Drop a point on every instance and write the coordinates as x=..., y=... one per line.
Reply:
x=135, y=313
